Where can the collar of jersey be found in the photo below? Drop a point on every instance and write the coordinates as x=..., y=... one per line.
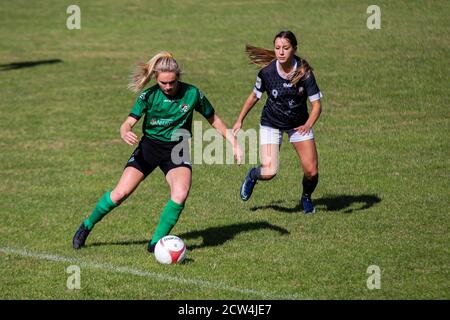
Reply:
x=279, y=68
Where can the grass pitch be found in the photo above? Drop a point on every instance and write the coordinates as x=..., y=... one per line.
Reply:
x=383, y=195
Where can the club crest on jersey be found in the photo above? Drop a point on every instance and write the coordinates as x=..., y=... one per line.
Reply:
x=184, y=107
x=300, y=90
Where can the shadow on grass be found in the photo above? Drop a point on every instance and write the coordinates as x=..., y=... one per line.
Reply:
x=26, y=64
x=119, y=243
x=331, y=203
x=216, y=236
x=212, y=237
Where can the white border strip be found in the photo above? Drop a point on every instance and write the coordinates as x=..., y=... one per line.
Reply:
x=146, y=274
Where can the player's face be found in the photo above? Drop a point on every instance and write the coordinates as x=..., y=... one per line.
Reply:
x=168, y=82
x=283, y=50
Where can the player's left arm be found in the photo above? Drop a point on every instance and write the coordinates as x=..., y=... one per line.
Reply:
x=314, y=95
x=217, y=123
x=316, y=110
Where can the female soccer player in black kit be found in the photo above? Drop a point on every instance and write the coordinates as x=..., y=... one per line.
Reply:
x=288, y=81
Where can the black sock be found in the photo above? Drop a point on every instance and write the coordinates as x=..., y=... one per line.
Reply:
x=309, y=185
x=255, y=173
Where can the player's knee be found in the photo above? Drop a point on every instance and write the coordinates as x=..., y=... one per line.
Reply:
x=311, y=173
x=180, y=194
x=118, y=196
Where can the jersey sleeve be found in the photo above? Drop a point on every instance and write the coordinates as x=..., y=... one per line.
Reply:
x=259, y=85
x=203, y=106
x=140, y=106
x=312, y=89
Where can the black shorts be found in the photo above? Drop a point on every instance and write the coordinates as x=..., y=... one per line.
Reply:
x=166, y=155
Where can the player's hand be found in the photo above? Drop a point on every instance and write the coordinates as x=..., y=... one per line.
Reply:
x=237, y=126
x=130, y=138
x=304, y=129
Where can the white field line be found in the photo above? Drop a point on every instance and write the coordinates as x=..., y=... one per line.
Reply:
x=145, y=274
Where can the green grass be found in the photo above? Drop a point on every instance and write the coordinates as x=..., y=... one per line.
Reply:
x=383, y=196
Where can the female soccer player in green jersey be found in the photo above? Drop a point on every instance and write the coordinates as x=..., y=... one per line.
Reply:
x=168, y=109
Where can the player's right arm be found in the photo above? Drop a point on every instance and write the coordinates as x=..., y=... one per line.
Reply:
x=139, y=108
x=248, y=105
x=126, y=132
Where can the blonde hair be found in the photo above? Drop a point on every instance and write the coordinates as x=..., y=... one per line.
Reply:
x=144, y=72
x=263, y=57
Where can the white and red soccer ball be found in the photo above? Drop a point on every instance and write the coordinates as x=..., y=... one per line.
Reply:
x=170, y=250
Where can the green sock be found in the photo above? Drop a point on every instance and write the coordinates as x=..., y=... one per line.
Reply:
x=168, y=219
x=103, y=207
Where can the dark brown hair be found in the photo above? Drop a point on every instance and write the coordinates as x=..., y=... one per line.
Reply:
x=263, y=57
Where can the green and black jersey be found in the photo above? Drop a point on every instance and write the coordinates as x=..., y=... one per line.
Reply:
x=164, y=115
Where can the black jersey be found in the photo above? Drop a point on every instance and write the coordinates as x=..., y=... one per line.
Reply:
x=285, y=107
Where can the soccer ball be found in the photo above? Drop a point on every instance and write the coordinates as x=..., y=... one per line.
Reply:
x=170, y=250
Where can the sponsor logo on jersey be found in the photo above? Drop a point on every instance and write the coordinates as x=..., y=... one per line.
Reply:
x=161, y=122
x=292, y=104
x=287, y=84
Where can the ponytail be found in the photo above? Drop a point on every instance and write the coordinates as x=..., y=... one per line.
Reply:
x=260, y=56
x=144, y=72
x=302, y=72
